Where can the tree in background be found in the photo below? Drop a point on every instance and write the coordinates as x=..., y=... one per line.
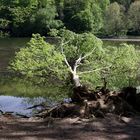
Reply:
x=115, y=23
x=134, y=17
x=44, y=18
x=84, y=16
x=102, y=17
x=22, y=18
x=125, y=3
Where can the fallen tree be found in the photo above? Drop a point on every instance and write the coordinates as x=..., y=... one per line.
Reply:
x=78, y=59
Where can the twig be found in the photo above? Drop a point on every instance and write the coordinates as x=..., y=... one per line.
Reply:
x=62, y=51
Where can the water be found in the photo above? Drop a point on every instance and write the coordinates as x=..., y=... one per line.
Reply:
x=8, y=46
x=17, y=94
x=135, y=40
x=20, y=105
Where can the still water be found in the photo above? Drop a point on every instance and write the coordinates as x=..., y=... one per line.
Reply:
x=8, y=47
x=17, y=94
x=20, y=105
x=135, y=40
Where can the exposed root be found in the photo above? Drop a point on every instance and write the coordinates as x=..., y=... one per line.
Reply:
x=86, y=104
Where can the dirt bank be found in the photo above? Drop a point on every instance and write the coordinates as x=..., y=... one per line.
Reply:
x=112, y=127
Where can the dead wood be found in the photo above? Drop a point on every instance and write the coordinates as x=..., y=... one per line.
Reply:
x=22, y=116
x=82, y=93
x=86, y=103
x=38, y=105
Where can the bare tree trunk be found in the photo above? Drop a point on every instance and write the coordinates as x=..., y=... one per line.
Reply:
x=76, y=80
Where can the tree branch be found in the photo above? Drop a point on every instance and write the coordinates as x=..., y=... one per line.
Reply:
x=94, y=70
x=66, y=61
x=77, y=63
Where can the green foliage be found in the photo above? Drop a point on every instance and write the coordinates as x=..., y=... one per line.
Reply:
x=84, y=16
x=134, y=16
x=42, y=59
x=29, y=16
x=79, y=44
x=38, y=59
x=4, y=26
x=125, y=3
x=45, y=18
x=123, y=71
x=119, y=65
x=24, y=87
x=115, y=23
x=125, y=68
x=4, y=34
x=102, y=17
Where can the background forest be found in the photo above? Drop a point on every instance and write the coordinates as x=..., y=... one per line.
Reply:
x=21, y=18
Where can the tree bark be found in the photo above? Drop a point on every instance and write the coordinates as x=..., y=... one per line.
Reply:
x=76, y=80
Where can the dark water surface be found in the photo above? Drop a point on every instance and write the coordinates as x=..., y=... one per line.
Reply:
x=16, y=94
x=135, y=40
x=8, y=47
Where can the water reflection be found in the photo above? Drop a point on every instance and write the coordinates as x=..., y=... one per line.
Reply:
x=8, y=47
x=23, y=87
x=20, y=105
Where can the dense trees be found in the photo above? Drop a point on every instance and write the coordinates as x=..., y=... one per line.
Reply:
x=22, y=18
x=134, y=17
x=125, y=3
x=115, y=21
x=102, y=17
x=83, y=16
x=122, y=17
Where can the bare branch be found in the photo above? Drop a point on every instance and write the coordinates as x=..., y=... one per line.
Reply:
x=84, y=72
x=66, y=61
x=77, y=63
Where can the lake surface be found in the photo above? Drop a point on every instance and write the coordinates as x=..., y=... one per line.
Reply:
x=135, y=40
x=8, y=47
x=20, y=105
x=18, y=94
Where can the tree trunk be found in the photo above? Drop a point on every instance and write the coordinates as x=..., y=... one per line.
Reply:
x=76, y=80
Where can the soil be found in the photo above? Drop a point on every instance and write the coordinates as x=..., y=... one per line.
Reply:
x=112, y=127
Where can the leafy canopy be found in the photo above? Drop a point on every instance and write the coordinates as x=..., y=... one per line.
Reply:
x=125, y=68
x=38, y=59
x=118, y=65
x=115, y=23
x=43, y=59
